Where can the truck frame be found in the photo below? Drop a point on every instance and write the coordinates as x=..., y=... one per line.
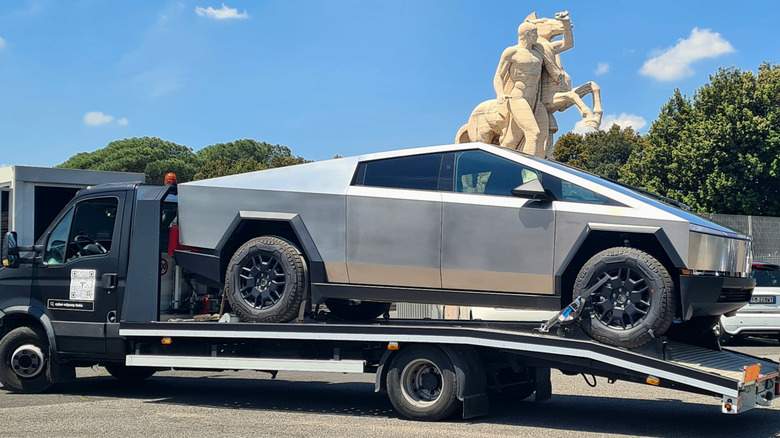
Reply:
x=108, y=307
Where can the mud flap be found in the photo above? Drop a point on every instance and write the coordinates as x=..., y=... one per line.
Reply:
x=472, y=380
x=543, y=384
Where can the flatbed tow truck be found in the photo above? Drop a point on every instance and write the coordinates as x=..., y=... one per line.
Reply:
x=108, y=308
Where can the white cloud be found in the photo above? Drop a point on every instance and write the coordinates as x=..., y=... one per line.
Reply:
x=675, y=62
x=225, y=13
x=623, y=120
x=97, y=118
x=2, y=43
x=601, y=68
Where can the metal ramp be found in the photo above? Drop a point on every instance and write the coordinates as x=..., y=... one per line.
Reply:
x=724, y=363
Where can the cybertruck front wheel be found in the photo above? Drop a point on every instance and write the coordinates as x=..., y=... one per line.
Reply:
x=632, y=297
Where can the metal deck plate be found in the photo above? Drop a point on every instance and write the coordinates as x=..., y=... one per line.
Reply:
x=724, y=363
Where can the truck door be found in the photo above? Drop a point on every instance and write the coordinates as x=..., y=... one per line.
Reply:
x=77, y=280
x=492, y=240
x=394, y=223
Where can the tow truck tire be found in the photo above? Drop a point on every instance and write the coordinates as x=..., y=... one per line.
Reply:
x=422, y=384
x=266, y=280
x=24, y=352
x=127, y=374
x=356, y=310
x=635, y=302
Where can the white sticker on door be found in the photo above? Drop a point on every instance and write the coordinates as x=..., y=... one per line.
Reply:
x=82, y=284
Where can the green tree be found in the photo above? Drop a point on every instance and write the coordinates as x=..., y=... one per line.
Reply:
x=243, y=156
x=149, y=155
x=601, y=152
x=719, y=151
x=223, y=167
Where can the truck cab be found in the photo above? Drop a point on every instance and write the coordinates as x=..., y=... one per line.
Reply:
x=91, y=269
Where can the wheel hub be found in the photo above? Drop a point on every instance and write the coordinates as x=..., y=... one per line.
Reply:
x=262, y=280
x=624, y=298
x=429, y=381
x=421, y=382
x=27, y=361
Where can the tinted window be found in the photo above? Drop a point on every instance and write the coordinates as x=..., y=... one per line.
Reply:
x=416, y=172
x=87, y=231
x=484, y=173
x=566, y=191
x=766, y=277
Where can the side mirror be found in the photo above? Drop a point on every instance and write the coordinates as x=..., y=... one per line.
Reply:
x=10, y=251
x=532, y=189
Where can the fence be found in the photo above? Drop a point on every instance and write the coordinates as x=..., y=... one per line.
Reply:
x=764, y=229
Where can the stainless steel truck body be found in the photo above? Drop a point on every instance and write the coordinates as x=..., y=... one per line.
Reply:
x=469, y=224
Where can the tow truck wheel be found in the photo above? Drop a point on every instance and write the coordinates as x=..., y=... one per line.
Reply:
x=350, y=310
x=631, y=295
x=128, y=374
x=24, y=352
x=266, y=280
x=422, y=384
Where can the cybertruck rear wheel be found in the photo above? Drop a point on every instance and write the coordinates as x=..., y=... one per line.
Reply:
x=266, y=280
x=632, y=297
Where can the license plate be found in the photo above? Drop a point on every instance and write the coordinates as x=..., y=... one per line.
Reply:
x=763, y=300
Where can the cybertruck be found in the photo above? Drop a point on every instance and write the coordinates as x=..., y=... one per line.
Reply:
x=467, y=224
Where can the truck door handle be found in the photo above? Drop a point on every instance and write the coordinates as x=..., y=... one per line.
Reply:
x=109, y=281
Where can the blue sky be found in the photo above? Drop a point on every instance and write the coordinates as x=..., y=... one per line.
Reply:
x=332, y=77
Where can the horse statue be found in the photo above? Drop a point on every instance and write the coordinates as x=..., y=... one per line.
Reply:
x=488, y=121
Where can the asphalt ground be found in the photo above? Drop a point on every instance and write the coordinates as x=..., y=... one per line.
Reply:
x=247, y=403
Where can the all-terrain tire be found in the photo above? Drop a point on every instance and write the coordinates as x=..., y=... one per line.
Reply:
x=356, y=310
x=266, y=280
x=24, y=359
x=635, y=301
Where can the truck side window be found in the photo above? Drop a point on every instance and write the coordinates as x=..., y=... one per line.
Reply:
x=55, y=247
x=483, y=173
x=85, y=231
x=419, y=172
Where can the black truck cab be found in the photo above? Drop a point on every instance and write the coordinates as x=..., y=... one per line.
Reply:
x=73, y=283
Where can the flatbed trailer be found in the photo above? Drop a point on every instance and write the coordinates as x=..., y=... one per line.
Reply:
x=472, y=350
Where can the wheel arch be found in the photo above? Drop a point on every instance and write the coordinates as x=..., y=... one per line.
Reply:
x=28, y=316
x=248, y=225
x=470, y=374
x=598, y=237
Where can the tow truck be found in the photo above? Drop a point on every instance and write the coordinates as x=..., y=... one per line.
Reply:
x=103, y=286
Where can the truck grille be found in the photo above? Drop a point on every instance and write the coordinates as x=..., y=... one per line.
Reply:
x=735, y=295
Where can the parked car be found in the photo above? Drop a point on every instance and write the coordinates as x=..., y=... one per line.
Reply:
x=467, y=224
x=760, y=317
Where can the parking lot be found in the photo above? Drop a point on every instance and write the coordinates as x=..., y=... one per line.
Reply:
x=187, y=404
